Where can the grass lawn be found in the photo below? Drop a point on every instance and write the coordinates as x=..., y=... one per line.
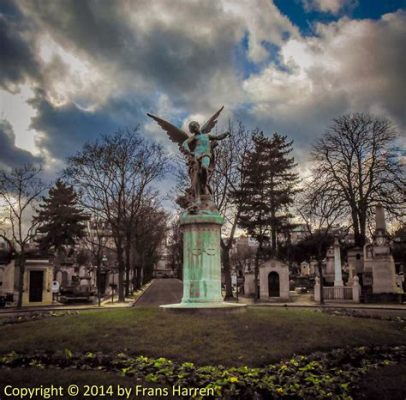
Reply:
x=255, y=338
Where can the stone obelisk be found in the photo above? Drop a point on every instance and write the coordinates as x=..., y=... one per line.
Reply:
x=338, y=275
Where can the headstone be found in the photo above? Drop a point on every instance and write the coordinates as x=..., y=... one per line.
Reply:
x=356, y=290
x=249, y=284
x=355, y=259
x=304, y=269
x=317, y=289
x=55, y=286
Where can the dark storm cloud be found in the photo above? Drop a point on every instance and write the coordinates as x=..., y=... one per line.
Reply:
x=10, y=155
x=17, y=57
x=171, y=56
x=102, y=64
x=64, y=129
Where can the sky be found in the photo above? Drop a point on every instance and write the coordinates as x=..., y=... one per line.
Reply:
x=72, y=70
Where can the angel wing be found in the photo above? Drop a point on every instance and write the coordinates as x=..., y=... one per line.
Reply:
x=175, y=134
x=211, y=123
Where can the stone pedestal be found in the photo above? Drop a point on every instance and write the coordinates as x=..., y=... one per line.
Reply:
x=201, y=262
x=384, y=276
x=383, y=264
x=202, y=258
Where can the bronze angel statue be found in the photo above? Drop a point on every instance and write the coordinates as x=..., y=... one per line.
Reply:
x=198, y=147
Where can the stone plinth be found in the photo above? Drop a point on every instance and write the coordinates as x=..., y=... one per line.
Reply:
x=328, y=273
x=201, y=264
x=384, y=275
x=201, y=258
x=382, y=262
x=205, y=308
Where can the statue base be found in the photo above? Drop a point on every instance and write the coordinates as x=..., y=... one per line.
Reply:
x=205, y=308
x=202, y=263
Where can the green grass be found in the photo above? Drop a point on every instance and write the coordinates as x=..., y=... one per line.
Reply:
x=255, y=338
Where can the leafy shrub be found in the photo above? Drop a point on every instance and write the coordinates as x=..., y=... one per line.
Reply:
x=332, y=375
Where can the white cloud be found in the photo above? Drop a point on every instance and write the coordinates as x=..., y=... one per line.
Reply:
x=263, y=22
x=15, y=109
x=107, y=64
x=350, y=66
x=328, y=6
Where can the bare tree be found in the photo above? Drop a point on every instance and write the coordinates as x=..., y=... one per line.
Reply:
x=321, y=213
x=226, y=179
x=20, y=190
x=97, y=244
x=353, y=162
x=113, y=177
x=150, y=230
x=175, y=247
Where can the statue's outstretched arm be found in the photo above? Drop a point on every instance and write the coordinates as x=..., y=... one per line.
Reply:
x=220, y=137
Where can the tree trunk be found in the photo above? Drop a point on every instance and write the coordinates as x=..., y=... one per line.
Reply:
x=227, y=271
x=363, y=227
x=127, y=268
x=121, y=269
x=256, y=272
x=356, y=227
x=139, y=276
x=320, y=270
x=57, y=261
x=273, y=233
x=21, y=270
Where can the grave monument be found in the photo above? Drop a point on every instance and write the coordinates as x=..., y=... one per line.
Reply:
x=338, y=274
x=381, y=259
x=200, y=221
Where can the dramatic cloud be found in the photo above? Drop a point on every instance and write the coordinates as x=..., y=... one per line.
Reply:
x=350, y=66
x=17, y=54
x=10, y=155
x=92, y=67
x=64, y=129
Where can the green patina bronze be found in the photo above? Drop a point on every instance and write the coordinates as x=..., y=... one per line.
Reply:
x=201, y=258
x=201, y=222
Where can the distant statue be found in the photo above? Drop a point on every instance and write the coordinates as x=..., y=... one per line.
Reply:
x=198, y=148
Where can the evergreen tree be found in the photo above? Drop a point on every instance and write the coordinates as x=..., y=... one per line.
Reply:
x=60, y=219
x=281, y=185
x=266, y=193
